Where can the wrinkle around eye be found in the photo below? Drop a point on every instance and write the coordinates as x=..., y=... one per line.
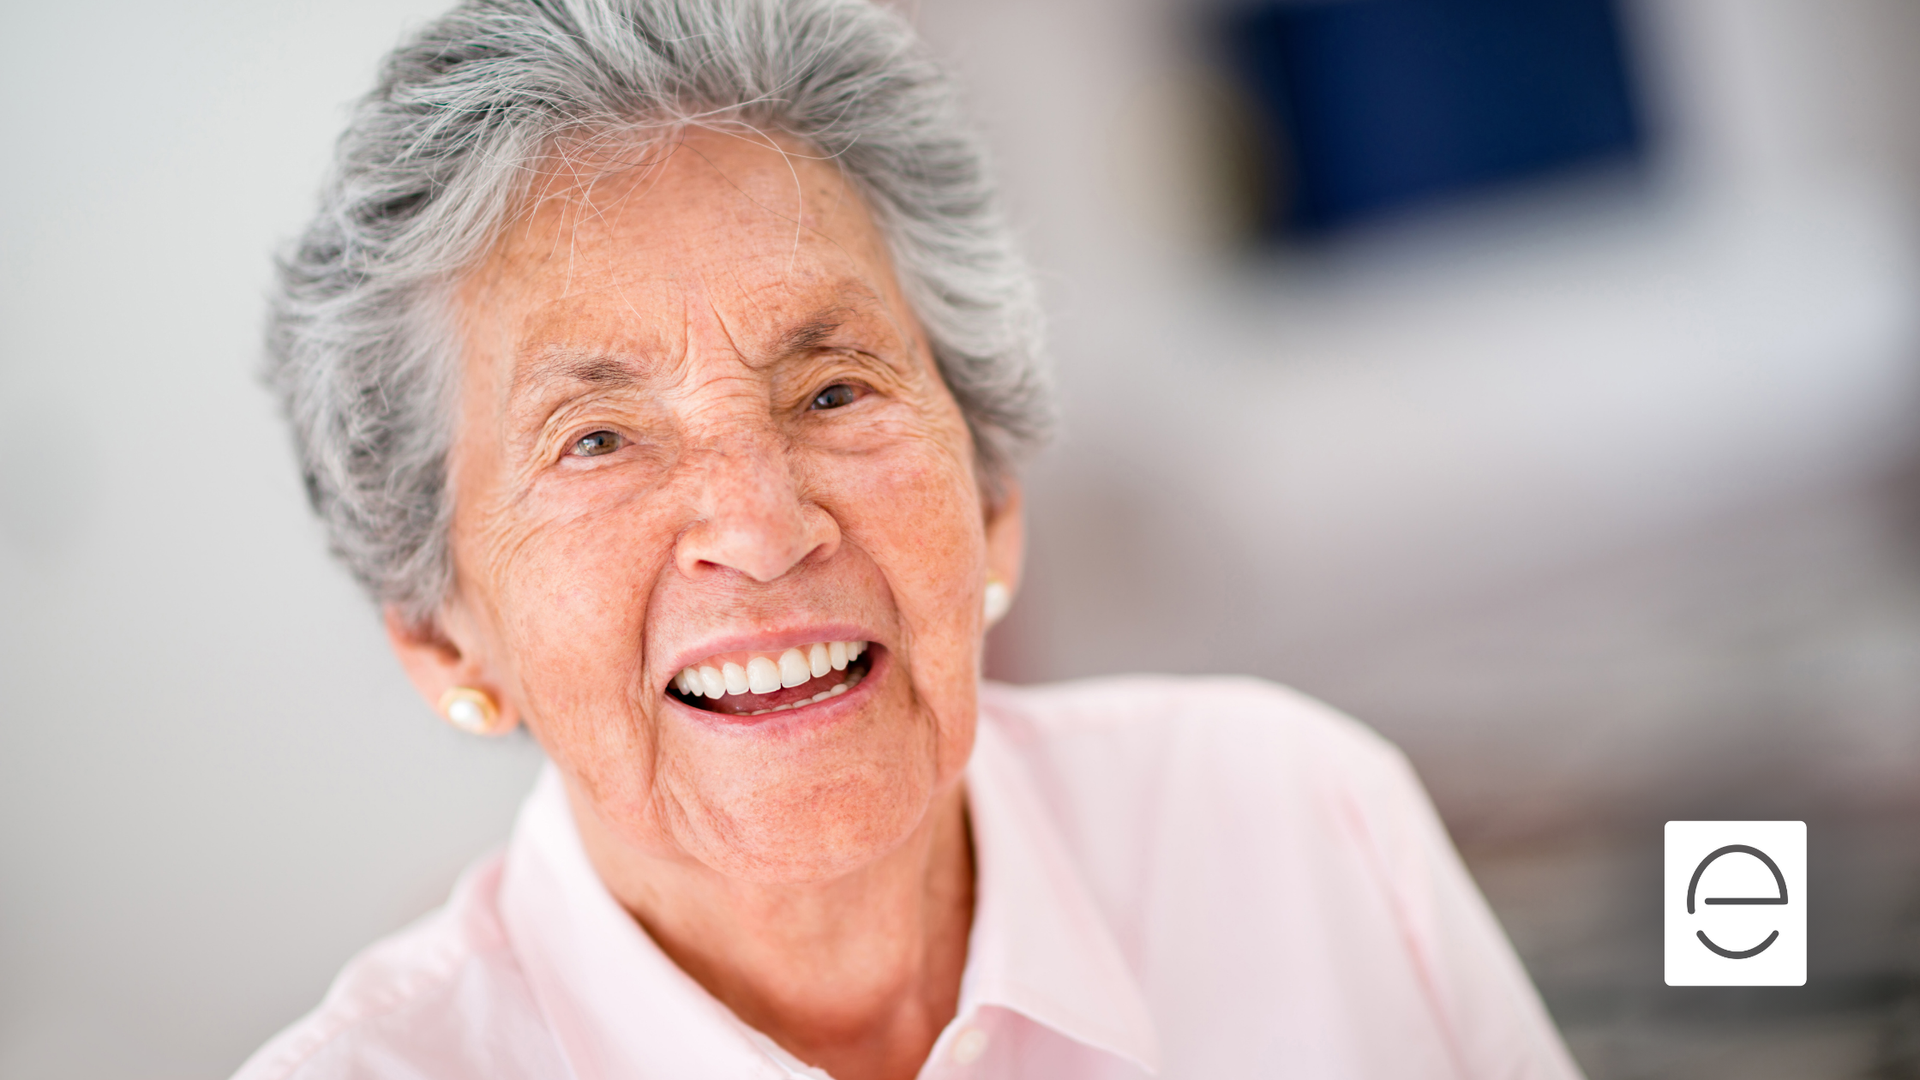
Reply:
x=587, y=445
x=559, y=433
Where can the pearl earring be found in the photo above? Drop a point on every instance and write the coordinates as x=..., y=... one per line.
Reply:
x=998, y=599
x=472, y=711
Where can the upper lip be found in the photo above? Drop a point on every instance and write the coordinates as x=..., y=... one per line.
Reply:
x=772, y=642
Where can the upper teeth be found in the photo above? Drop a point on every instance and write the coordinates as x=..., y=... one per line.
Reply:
x=763, y=674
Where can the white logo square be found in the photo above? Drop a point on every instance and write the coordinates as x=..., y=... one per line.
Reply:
x=1736, y=903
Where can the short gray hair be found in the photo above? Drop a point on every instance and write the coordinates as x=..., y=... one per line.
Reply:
x=359, y=344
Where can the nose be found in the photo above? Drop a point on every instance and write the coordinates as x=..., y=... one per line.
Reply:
x=752, y=516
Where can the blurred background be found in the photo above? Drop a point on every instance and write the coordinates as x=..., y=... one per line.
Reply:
x=1535, y=379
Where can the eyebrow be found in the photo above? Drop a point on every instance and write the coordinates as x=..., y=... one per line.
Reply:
x=596, y=371
x=570, y=365
x=813, y=333
x=604, y=370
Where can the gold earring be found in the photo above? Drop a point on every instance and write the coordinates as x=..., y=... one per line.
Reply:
x=997, y=600
x=472, y=711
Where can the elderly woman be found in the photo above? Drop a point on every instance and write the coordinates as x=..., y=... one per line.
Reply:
x=660, y=366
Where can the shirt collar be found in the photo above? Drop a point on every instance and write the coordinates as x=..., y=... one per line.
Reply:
x=1040, y=946
x=620, y=1007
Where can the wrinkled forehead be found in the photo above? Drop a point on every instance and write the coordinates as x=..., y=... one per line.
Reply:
x=645, y=249
x=727, y=217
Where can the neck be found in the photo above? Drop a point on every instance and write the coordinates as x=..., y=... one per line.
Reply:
x=857, y=975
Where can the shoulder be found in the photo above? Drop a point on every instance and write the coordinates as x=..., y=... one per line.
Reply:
x=1144, y=772
x=443, y=998
x=1228, y=731
x=1259, y=854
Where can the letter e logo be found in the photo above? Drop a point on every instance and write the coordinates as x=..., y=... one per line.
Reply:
x=1736, y=903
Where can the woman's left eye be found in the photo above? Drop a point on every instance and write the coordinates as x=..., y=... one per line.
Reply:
x=836, y=396
x=600, y=442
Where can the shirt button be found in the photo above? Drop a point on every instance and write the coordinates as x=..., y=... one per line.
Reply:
x=969, y=1046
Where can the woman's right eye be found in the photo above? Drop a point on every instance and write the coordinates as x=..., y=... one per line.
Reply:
x=839, y=395
x=597, y=443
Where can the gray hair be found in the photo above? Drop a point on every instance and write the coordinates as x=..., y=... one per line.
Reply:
x=359, y=344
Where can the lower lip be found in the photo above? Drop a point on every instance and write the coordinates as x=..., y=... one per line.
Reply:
x=809, y=715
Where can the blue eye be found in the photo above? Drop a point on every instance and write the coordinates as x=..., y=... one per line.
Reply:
x=600, y=442
x=835, y=396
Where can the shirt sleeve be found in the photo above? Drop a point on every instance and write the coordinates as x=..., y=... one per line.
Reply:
x=1497, y=1027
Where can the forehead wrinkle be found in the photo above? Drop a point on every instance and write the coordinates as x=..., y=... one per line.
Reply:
x=787, y=337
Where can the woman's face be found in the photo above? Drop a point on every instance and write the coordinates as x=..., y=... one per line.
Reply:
x=699, y=427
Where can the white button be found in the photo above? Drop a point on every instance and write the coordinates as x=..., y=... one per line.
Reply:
x=969, y=1046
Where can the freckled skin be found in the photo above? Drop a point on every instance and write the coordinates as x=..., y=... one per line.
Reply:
x=815, y=877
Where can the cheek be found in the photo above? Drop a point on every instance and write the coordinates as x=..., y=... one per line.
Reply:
x=575, y=586
x=918, y=516
x=573, y=591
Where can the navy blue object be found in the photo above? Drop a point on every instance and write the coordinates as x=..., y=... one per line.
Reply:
x=1372, y=106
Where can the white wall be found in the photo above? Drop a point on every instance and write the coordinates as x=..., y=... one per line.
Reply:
x=215, y=785
x=1450, y=439
x=1338, y=443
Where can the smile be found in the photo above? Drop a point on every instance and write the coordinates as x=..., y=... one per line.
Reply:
x=754, y=683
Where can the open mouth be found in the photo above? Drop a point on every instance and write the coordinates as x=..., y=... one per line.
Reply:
x=754, y=683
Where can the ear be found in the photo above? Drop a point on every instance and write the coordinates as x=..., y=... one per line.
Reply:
x=436, y=663
x=1007, y=537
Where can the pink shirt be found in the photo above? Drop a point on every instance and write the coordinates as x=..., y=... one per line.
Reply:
x=1178, y=878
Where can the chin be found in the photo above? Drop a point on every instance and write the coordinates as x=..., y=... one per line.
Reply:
x=817, y=830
